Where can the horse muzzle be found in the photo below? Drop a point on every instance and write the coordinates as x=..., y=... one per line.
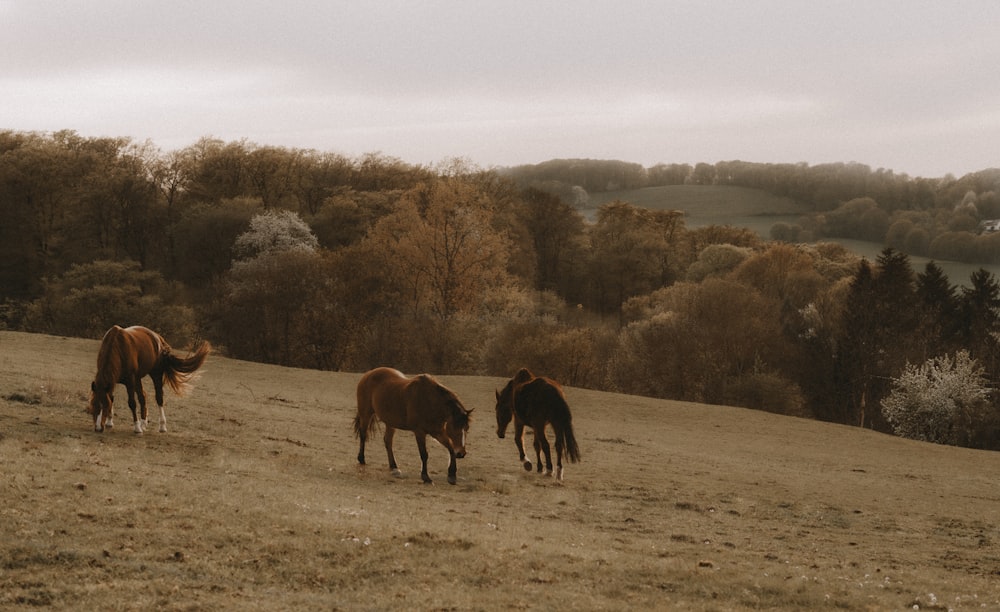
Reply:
x=460, y=454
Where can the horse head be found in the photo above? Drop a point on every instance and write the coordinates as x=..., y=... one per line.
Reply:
x=457, y=427
x=504, y=411
x=101, y=405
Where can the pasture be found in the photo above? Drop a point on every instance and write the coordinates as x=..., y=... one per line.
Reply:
x=758, y=211
x=254, y=500
x=710, y=205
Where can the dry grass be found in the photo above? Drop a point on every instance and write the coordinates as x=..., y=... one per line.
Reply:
x=254, y=500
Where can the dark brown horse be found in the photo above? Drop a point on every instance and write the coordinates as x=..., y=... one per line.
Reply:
x=128, y=354
x=419, y=404
x=537, y=402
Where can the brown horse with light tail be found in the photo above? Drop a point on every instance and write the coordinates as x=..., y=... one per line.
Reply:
x=128, y=354
x=419, y=404
x=537, y=402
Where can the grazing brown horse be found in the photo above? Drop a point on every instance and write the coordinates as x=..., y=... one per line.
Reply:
x=419, y=404
x=537, y=402
x=128, y=354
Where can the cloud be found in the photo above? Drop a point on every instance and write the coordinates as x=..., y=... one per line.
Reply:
x=504, y=83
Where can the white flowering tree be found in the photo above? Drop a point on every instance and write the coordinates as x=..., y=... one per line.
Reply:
x=939, y=401
x=275, y=231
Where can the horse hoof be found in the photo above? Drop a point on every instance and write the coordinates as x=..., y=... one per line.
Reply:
x=452, y=479
x=559, y=474
x=397, y=474
x=527, y=466
x=163, y=430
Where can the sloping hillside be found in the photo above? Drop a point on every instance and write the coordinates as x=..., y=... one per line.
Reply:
x=710, y=204
x=254, y=500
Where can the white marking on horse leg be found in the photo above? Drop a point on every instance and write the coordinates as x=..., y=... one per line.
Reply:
x=138, y=426
x=559, y=473
x=163, y=420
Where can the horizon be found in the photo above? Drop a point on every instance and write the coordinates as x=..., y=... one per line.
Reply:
x=899, y=86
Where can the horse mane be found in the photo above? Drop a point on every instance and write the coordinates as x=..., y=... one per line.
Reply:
x=523, y=375
x=458, y=413
x=109, y=359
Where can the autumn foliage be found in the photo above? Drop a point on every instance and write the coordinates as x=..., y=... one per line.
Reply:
x=315, y=260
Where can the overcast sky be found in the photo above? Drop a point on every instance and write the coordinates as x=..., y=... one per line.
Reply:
x=909, y=85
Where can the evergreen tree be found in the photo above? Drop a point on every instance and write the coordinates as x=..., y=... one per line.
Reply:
x=938, y=311
x=876, y=336
x=979, y=320
x=854, y=349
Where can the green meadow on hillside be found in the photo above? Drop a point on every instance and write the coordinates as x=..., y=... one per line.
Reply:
x=759, y=211
x=710, y=205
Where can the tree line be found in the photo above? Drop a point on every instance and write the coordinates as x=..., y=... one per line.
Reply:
x=312, y=259
x=940, y=218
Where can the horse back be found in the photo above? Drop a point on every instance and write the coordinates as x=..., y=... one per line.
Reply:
x=417, y=403
x=383, y=391
x=144, y=348
x=541, y=398
x=126, y=353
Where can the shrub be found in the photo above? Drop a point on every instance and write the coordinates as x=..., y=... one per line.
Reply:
x=90, y=298
x=943, y=400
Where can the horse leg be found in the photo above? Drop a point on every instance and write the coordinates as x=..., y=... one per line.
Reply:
x=158, y=389
x=130, y=392
x=519, y=441
x=452, y=468
x=559, y=454
x=141, y=394
x=542, y=445
x=362, y=435
x=389, y=433
x=422, y=447
x=110, y=414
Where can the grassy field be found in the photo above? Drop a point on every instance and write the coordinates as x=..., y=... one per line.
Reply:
x=254, y=500
x=710, y=205
x=759, y=211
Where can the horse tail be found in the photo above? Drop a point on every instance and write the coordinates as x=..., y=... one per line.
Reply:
x=565, y=438
x=364, y=427
x=564, y=433
x=178, y=372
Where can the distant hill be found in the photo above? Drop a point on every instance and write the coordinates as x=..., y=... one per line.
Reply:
x=710, y=205
x=758, y=210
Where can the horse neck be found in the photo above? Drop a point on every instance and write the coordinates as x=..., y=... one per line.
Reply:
x=109, y=362
x=506, y=399
x=443, y=400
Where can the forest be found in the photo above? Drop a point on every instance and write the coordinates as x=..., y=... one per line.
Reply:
x=316, y=260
